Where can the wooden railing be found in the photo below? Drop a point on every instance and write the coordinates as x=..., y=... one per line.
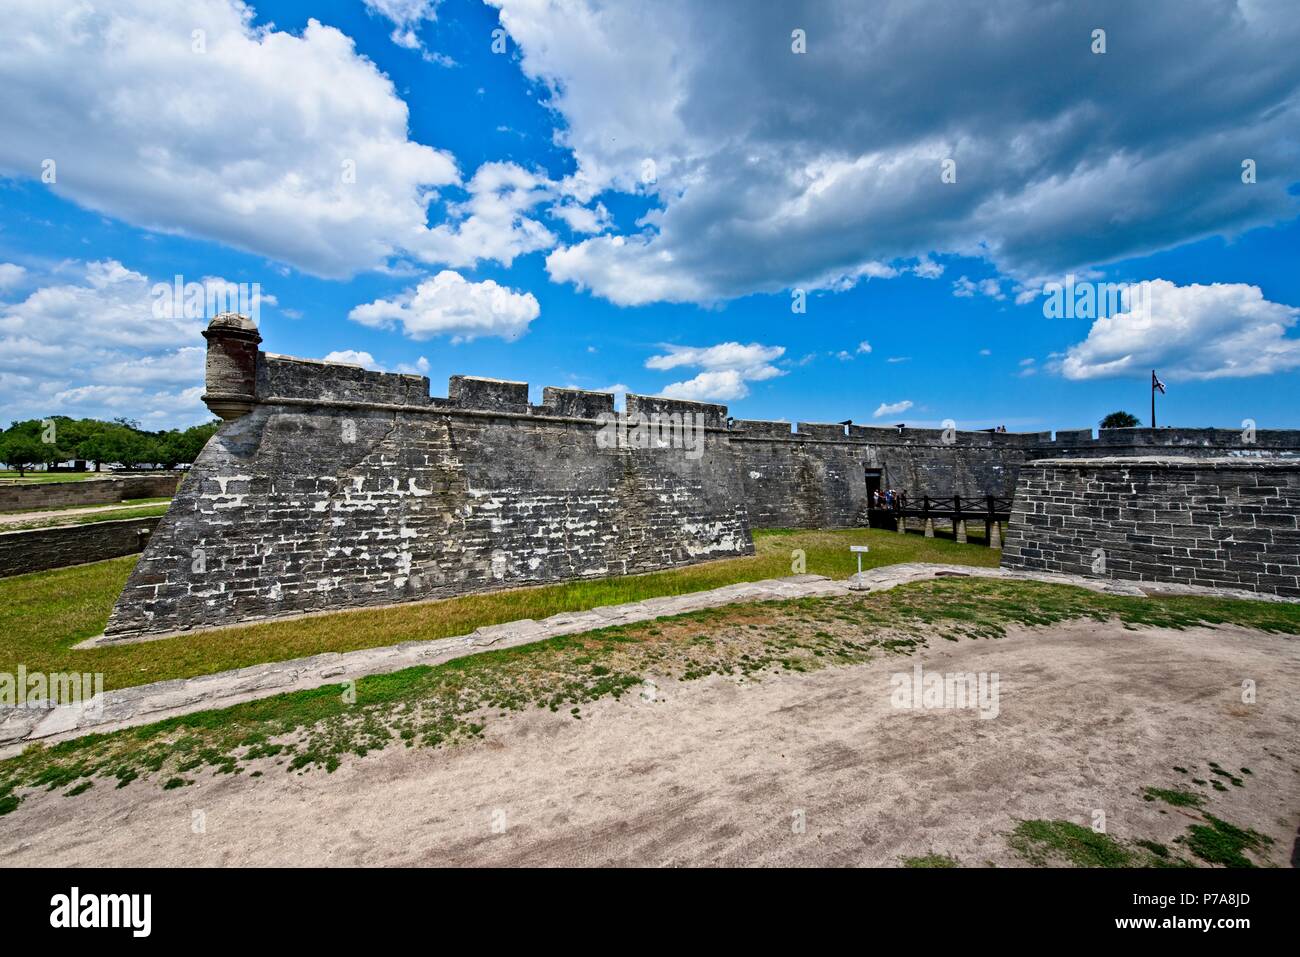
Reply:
x=992, y=510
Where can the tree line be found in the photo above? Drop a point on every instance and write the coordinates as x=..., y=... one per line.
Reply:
x=35, y=442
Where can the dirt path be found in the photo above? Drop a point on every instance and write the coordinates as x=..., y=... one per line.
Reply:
x=716, y=771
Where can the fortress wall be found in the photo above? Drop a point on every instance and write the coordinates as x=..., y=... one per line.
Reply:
x=1220, y=522
x=331, y=486
x=91, y=491
x=305, y=504
x=1196, y=443
x=816, y=477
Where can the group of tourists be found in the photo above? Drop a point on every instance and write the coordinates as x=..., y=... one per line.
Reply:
x=888, y=498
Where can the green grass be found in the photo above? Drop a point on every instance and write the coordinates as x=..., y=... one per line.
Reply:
x=1219, y=842
x=455, y=701
x=930, y=861
x=43, y=615
x=124, y=503
x=1055, y=842
x=89, y=518
x=1174, y=797
x=10, y=476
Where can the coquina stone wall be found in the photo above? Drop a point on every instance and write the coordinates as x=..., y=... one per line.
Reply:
x=342, y=488
x=815, y=475
x=93, y=491
x=1228, y=522
x=331, y=486
x=39, y=549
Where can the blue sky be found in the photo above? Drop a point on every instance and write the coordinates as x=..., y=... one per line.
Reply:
x=506, y=225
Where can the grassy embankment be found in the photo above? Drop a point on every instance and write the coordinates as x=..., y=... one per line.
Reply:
x=43, y=615
x=129, y=508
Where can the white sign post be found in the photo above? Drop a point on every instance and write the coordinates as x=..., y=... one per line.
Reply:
x=859, y=549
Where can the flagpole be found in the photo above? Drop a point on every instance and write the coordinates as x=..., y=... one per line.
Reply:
x=1153, y=398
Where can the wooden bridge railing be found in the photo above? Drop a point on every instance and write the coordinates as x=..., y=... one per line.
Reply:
x=992, y=510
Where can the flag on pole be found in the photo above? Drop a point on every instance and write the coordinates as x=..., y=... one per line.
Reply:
x=1156, y=383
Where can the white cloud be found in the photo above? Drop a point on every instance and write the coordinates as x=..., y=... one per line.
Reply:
x=89, y=342
x=753, y=361
x=491, y=223
x=927, y=268
x=864, y=346
x=582, y=219
x=355, y=358
x=620, y=394
x=11, y=274
x=825, y=172
x=406, y=16
x=419, y=367
x=965, y=288
x=728, y=367
x=720, y=386
x=449, y=305
x=891, y=408
x=1224, y=330
x=246, y=143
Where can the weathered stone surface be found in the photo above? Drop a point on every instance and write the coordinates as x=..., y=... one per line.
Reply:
x=96, y=491
x=344, y=487
x=37, y=549
x=1213, y=522
x=338, y=503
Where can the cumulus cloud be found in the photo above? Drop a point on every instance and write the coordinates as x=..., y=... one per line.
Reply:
x=251, y=141
x=11, y=275
x=582, y=219
x=450, y=305
x=406, y=16
x=355, y=358
x=891, y=408
x=93, y=340
x=419, y=367
x=491, y=223
x=1224, y=330
x=728, y=367
x=620, y=394
x=831, y=167
x=864, y=346
x=966, y=288
x=753, y=361
x=720, y=386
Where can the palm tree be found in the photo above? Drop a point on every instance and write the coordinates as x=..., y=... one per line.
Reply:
x=1120, y=420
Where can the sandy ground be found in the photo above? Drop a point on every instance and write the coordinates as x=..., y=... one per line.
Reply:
x=716, y=772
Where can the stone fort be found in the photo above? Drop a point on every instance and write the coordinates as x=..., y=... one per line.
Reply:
x=330, y=486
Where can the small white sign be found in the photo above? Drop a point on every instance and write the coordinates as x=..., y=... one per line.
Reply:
x=859, y=549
